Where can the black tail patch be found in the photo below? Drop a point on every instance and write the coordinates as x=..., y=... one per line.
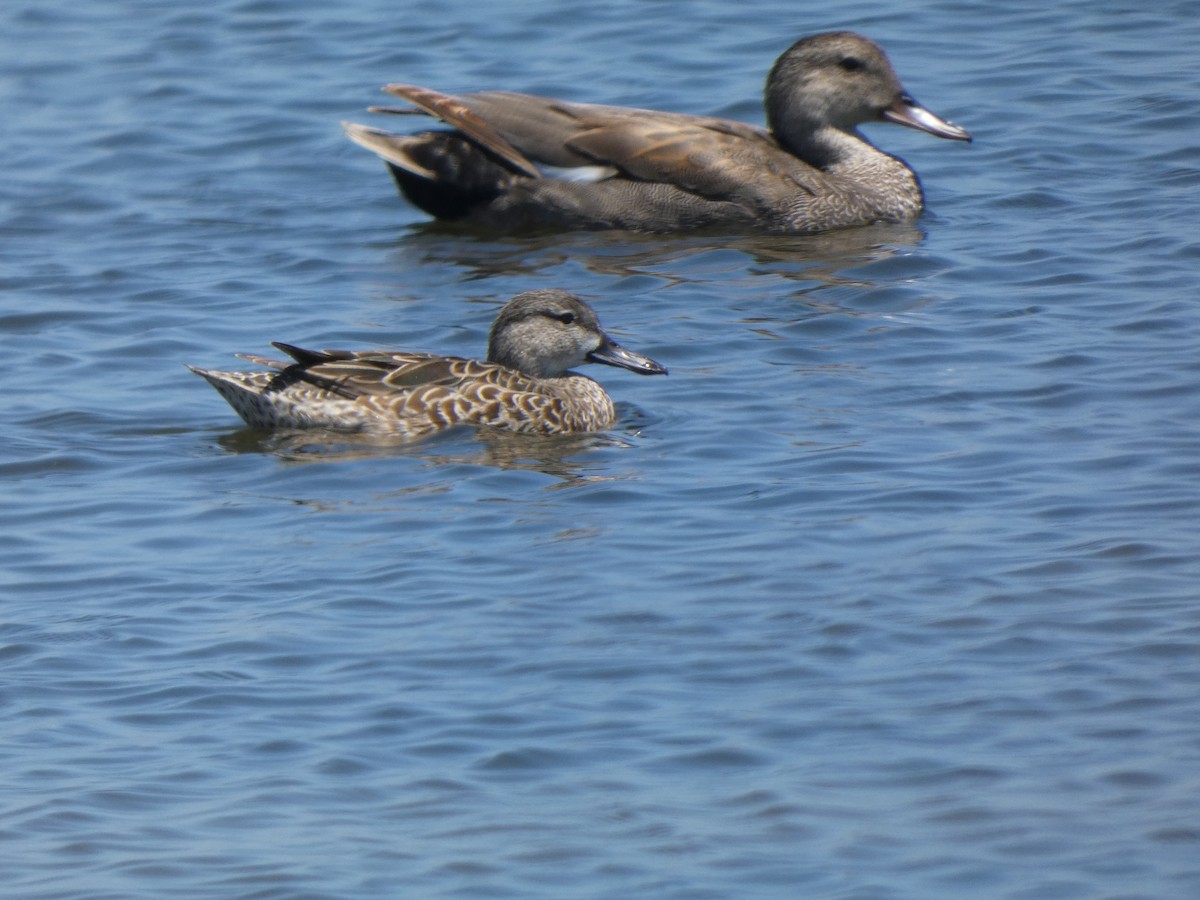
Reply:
x=466, y=176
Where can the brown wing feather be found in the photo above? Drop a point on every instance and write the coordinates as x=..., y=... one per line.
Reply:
x=378, y=372
x=420, y=373
x=712, y=157
x=716, y=162
x=454, y=112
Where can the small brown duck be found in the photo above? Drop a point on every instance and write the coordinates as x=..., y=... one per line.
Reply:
x=526, y=384
x=515, y=161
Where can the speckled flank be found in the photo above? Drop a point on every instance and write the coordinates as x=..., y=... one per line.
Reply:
x=525, y=386
x=663, y=172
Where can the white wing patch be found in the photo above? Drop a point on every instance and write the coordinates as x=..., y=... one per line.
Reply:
x=579, y=174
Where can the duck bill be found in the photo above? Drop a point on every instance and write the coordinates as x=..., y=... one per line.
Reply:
x=612, y=354
x=907, y=111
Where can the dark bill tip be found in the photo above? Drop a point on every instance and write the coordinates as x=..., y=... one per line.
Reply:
x=612, y=354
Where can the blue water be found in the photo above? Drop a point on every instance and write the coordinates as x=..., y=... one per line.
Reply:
x=890, y=590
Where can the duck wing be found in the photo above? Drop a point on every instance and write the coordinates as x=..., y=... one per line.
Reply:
x=360, y=373
x=423, y=391
x=713, y=158
x=709, y=156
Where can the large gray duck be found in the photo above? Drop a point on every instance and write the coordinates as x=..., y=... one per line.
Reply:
x=514, y=161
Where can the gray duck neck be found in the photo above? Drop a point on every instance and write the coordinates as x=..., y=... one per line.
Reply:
x=863, y=175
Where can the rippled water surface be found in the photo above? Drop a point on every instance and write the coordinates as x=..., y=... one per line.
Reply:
x=890, y=590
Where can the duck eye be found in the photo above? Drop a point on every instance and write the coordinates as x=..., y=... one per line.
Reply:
x=567, y=318
x=851, y=64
